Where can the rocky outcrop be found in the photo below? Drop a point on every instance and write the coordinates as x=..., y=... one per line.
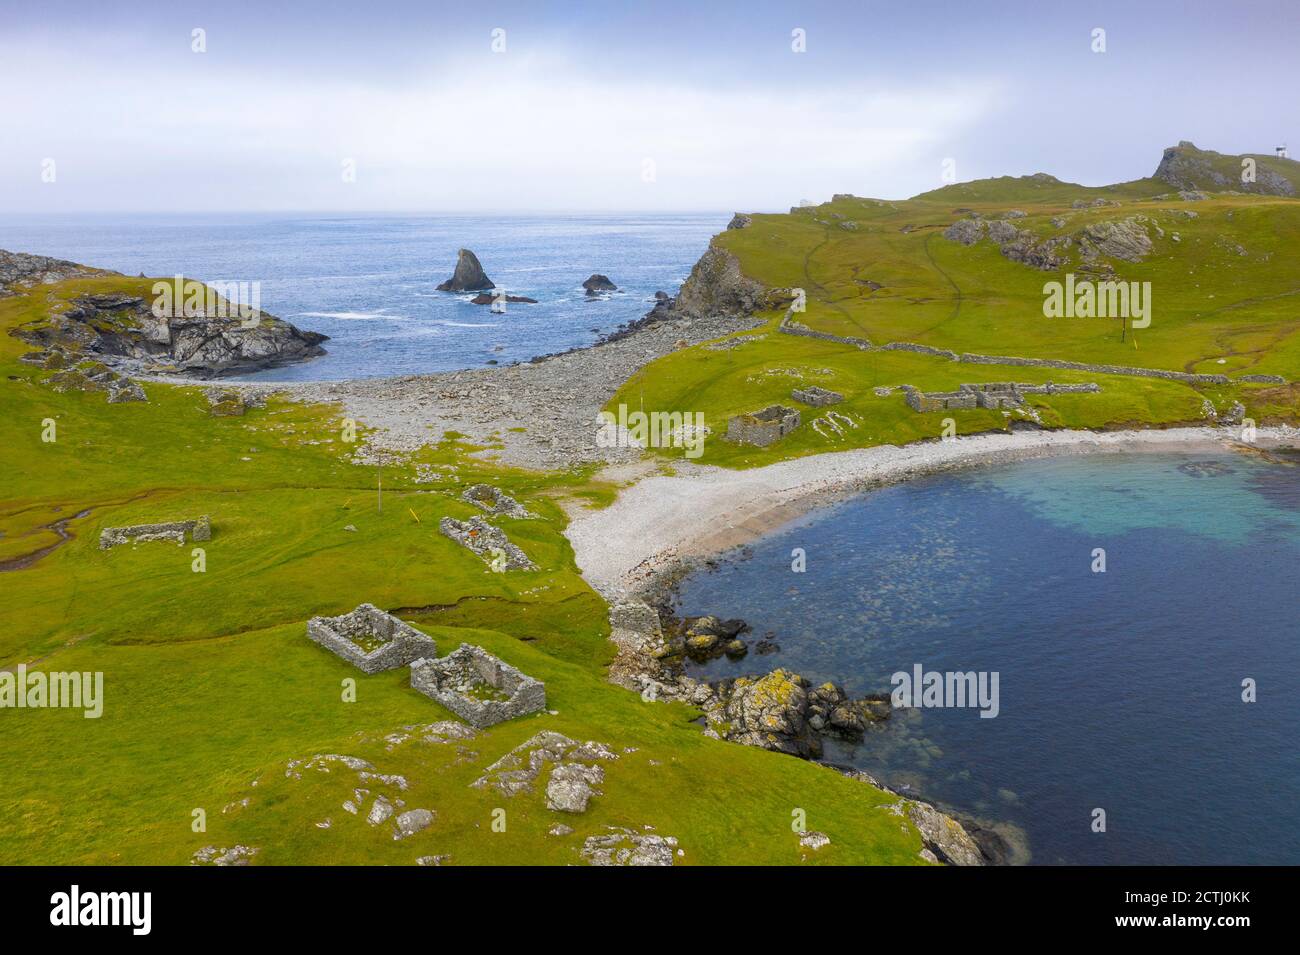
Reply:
x=1125, y=239
x=717, y=286
x=1191, y=169
x=123, y=332
x=20, y=271
x=626, y=847
x=599, y=283
x=469, y=275
x=783, y=712
x=740, y=221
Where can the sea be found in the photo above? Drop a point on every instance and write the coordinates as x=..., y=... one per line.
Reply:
x=369, y=282
x=1141, y=611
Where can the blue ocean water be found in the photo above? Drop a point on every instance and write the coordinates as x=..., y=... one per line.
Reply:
x=368, y=281
x=1119, y=690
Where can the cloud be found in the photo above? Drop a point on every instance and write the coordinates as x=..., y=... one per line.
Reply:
x=485, y=134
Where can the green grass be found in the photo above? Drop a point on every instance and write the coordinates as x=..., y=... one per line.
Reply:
x=210, y=682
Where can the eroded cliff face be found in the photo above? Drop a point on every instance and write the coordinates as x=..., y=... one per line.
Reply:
x=123, y=332
x=717, y=286
x=127, y=334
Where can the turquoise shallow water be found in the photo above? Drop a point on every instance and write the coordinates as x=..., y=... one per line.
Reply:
x=1118, y=690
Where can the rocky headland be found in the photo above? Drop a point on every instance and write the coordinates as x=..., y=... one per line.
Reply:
x=98, y=342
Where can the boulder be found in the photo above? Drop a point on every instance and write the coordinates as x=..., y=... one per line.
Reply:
x=411, y=822
x=599, y=283
x=469, y=275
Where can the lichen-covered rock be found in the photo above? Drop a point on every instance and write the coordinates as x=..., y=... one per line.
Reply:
x=1125, y=239
x=572, y=785
x=380, y=811
x=740, y=221
x=410, y=822
x=214, y=855
x=517, y=771
x=769, y=712
x=944, y=835
x=625, y=847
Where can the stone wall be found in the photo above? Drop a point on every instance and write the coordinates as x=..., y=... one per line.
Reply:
x=398, y=642
x=762, y=428
x=992, y=395
x=496, y=501
x=816, y=396
x=790, y=327
x=478, y=687
x=175, y=531
x=488, y=542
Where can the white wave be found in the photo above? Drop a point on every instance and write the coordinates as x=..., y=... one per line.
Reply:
x=352, y=316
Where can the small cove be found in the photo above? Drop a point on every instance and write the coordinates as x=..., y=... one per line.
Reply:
x=1118, y=690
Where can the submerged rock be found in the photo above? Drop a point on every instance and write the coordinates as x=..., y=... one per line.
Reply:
x=469, y=275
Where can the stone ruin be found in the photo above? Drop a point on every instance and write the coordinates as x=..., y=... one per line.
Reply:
x=495, y=501
x=476, y=686
x=370, y=639
x=175, y=531
x=490, y=543
x=762, y=428
x=993, y=394
x=816, y=396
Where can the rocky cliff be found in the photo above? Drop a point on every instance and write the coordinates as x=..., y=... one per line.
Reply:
x=1186, y=167
x=717, y=286
x=123, y=333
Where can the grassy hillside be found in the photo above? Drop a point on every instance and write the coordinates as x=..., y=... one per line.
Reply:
x=211, y=686
x=1224, y=276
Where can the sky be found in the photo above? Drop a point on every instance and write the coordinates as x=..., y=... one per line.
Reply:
x=488, y=107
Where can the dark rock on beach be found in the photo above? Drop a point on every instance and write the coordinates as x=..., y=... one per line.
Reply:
x=469, y=275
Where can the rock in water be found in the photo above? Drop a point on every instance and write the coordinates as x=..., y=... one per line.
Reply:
x=599, y=283
x=469, y=275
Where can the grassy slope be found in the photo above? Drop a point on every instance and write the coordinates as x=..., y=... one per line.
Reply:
x=210, y=682
x=1215, y=310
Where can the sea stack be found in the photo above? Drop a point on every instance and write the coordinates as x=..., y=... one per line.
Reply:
x=599, y=283
x=468, y=277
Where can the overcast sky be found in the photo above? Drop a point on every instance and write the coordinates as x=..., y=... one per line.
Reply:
x=615, y=107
